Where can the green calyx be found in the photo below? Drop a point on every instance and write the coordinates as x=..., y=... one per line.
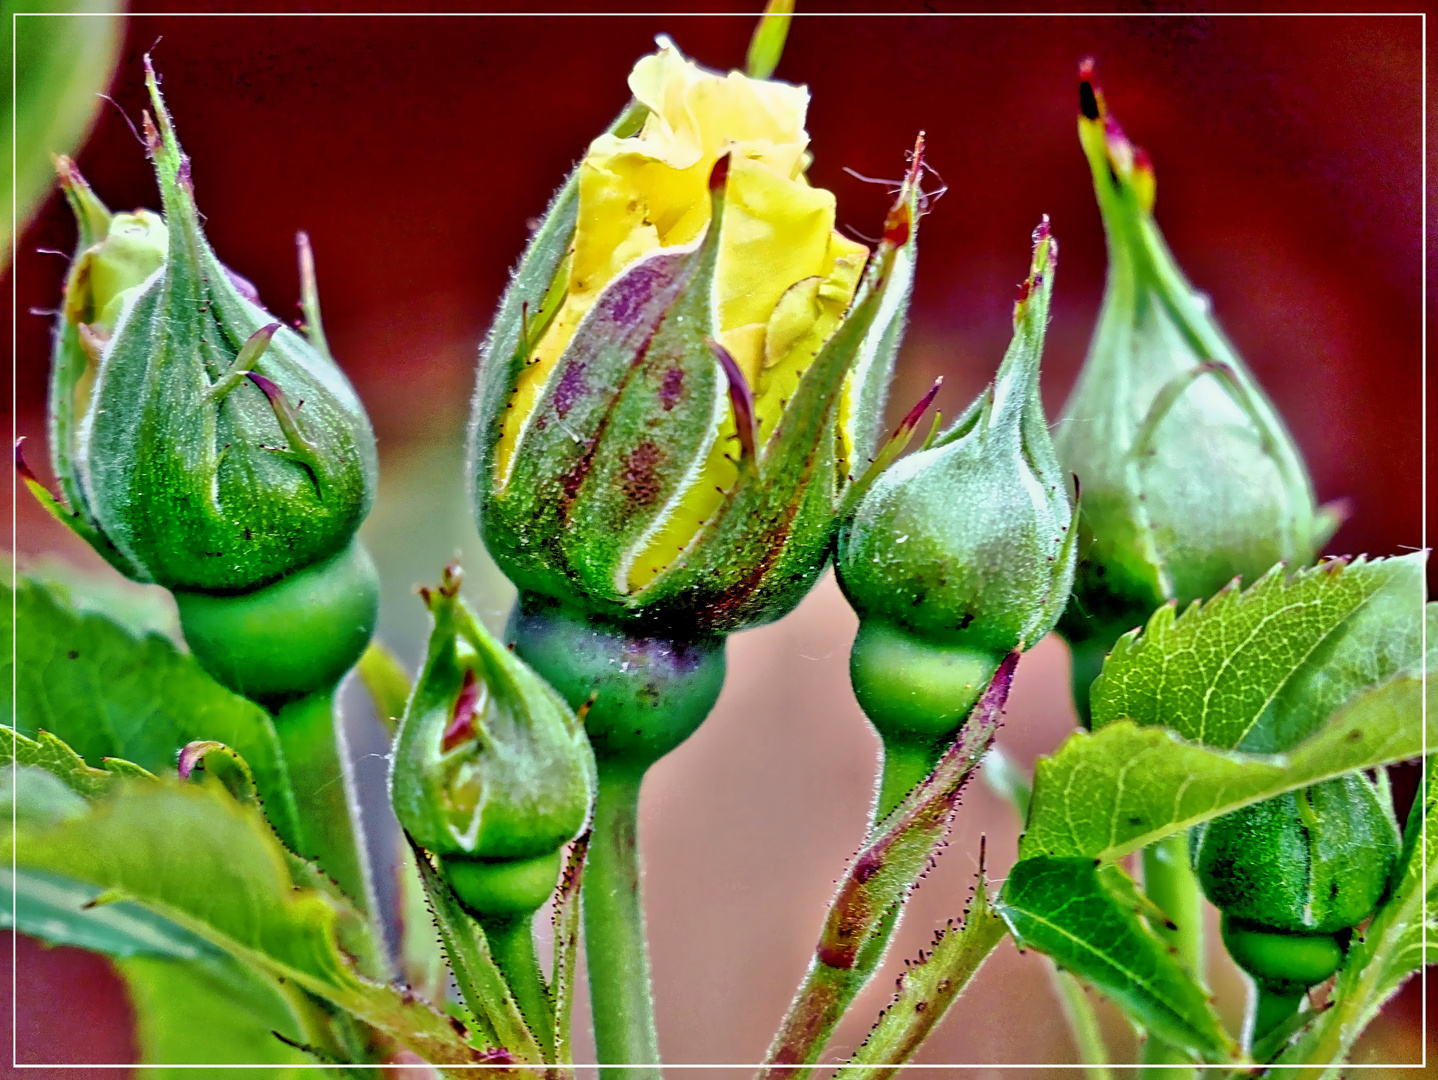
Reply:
x=491, y=769
x=963, y=552
x=208, y=447
x=1189, y=475
x=1282, y=963
x=641, y=696
x=1315, y=861
x=631, y=411
x=294, y=636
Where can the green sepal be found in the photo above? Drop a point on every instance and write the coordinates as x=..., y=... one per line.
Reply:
x=489, y=763
x=206, y=493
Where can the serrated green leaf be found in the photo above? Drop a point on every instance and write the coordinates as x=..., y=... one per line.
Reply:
x=927, y=989
x=54, y=757
x=1105, y=794
x=1087, y=920
x=108, y=693
x=1260, y=669
x=1386, y=954
x=214, y=1012
x=191, y=854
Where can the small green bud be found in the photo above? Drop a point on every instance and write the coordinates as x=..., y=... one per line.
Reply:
x=202, y=444
x=963, y=552
x=1189, y=475
x=1314, y=861
x=491, y=770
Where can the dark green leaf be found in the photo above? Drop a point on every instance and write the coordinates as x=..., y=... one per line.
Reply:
x=108, y=693
x=1087, y=919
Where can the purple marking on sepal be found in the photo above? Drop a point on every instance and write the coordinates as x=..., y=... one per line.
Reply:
x=570, y=388
x=719, y=175
x=911, y=421
x=742, y=398
x=26, y=473
x=192, y=754
x=270, y=390
x=672, y=388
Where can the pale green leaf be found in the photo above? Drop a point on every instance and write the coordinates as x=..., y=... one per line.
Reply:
x=109, y=693
x=193, y=855
x=1087, y=920
x=1248, y=669
x=214, y=1012
x=52, y=755
x=1105, y=794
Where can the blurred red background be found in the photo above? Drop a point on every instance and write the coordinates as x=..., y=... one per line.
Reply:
x=1289, y=153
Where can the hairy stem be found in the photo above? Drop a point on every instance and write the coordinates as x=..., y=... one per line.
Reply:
x=1170, y=883
x=615, y=944
x=511, y=943
x=329, y=825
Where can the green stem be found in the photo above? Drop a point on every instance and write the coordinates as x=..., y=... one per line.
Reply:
x=906, y=764
x=614, y=941
x=329, y=823
x=1170, y=883
x=1271, y=1009
x=511, y=943
x=1083, y=1022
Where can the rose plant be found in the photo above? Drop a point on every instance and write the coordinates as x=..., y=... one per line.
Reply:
x=677, y=425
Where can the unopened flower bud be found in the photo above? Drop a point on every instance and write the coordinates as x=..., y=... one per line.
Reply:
x=963, y=552
x=688, y=360
x=491, y=769
x=215, y=449
x=1294, y=874
x=1189, y=476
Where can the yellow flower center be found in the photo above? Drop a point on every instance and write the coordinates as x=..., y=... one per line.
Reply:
x=784, y=277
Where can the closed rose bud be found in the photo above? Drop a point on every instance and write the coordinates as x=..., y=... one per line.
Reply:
x=216, y=449
x=202, y=445
x=1189, y=476
x=491, y=770
x=963, y=552
x=1293, y=876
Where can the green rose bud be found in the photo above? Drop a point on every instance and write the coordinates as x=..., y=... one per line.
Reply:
x=209, y=447
x=491, y=770
x=1189, y=476
x=1294, y=874
x=963, y=552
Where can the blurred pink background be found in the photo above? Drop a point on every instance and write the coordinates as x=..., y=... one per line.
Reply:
x=1289, y=153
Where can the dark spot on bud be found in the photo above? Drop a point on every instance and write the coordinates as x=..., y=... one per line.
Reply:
x=672, y=388
x=1135, y=821
x=1088, y=102
x=642, y=483
x=966, y=620
x=73, y=655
